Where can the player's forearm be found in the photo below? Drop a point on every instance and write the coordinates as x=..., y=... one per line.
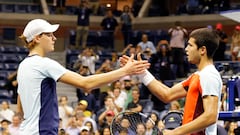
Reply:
x=159, y=90
x=97, y=80
x=201, y=123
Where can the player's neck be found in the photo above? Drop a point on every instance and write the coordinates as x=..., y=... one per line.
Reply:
x=204, y=63
x=37, y=51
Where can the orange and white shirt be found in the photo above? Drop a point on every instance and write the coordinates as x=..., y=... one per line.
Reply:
x=205, y=82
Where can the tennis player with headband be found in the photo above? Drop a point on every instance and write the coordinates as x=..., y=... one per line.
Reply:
x=37, y=76
x=202, y=89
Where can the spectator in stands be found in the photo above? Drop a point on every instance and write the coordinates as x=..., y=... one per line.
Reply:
x=154, y=116
x=109, y=26
x=149, y=128
x=123, y=94
x=11, y=85
x=203, y=98
x=178, y=35
x=91, y=129
x=62, y=132
x=15, y=125
x=161, y=61
x=89, y=58
x=65, y=110
x=141, y=129
x=220, y=52
x=128, y=50
x=117, y=99
x=43, y=73
x=83, y=22
x=128, y=90
x=233, y=125
x=90, y=98
x=145, y=43
x=125, y=125
x=60, y=6
x=235, y=44
x=5, y=127
x=73, y=128
x=82, y=108
x=105, y=131
x=126, y=19
x=105, y=118
x=6, y=113
x=135, y=105
x=84, y=130
x=175, y=106
x=114, y=60
x=105, y=67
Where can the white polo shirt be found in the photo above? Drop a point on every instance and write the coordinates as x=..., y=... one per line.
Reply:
x=37, y=78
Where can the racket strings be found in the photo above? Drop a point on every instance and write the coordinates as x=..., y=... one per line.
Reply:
x=133, y=118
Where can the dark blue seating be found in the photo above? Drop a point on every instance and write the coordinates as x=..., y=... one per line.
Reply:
x=136, y=37
x=9, y=49
x=71, y=10
x=10, y=66
x=19, y=8
x=8, y=8
x=93, y=38
x=5, y=95
x=2, y=66
x=9, y=36
x=2, y=84
x=3, y=75
x=34, y=9
x=10, y=58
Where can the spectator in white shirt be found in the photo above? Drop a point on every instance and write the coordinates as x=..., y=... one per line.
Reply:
x=14, y=126
x=88, y=58
x=65, y=110
x=6, y=113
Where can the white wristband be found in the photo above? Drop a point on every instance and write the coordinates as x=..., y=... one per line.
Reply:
x=146, y=77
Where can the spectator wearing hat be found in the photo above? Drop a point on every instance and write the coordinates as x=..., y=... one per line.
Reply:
x=235, y=44
x=220, y=52
x=84, y=130
x=82, y=107
x=105, y=118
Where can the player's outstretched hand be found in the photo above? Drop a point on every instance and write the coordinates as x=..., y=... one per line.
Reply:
x=132, y=66
x=123, y=60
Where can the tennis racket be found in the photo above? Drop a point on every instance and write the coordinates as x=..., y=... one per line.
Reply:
x=128, y=121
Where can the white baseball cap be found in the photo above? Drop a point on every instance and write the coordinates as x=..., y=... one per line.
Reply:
x=38, y=26
x=84, y=128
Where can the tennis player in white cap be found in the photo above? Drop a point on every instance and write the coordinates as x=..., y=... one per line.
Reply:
x=37, y=76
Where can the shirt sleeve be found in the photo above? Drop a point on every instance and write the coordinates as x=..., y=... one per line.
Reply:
x=53, y=69
x=210, y=84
